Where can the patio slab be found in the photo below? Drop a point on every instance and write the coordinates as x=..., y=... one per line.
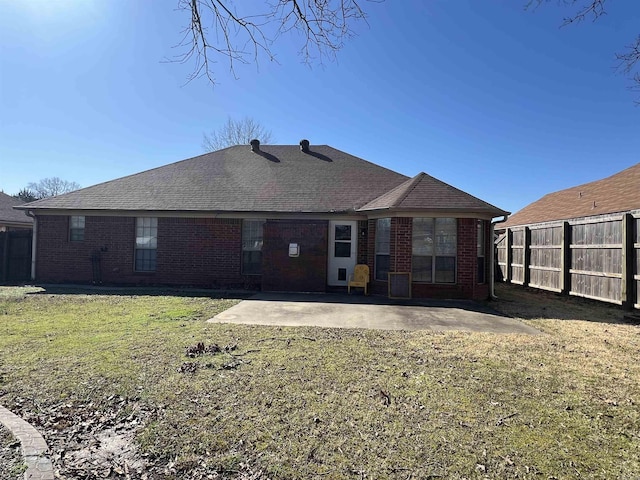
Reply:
x=358, y=311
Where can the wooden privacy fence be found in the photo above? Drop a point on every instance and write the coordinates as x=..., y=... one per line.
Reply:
x=594, y=257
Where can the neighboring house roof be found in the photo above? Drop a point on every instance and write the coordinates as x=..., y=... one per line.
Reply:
x=422, y=190
x=617, y=193
x=9, y=216
x=275, y=178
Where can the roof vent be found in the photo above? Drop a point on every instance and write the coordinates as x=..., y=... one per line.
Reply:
x=304, y=145
x=255, y=145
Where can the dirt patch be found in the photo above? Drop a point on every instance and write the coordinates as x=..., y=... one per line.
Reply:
x=531, y=303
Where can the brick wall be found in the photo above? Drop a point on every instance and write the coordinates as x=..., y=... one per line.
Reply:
x=401, y=258
x=305, y=273
x=401, y=244
x=363, y=242
x=208, y=252
x=467, y=254
x=376, y=287
x=199, y=252
x=196, y=251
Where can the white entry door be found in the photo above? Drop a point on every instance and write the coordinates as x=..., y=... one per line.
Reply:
x=343, y=241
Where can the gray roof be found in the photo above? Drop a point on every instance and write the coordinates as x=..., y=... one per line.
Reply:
x=278, y=178
x=425, y=191
x=10, y=216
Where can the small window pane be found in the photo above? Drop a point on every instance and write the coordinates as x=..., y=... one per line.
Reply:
x=76, y=228
x=77, y=222
x=421, y=268
x=446, y=232
x=145, y=260
x=342, y=249
x=252, y=240
x=382, y=267
x=423, y=236
x=252, y=233
x=383, y=235
x=445, y=269
x=343, y=232
x=251, y=262
x=480, y=238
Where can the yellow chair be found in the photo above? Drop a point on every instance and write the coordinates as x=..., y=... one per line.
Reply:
x=359, y=278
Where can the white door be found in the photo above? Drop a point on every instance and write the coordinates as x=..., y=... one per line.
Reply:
x=343, y=241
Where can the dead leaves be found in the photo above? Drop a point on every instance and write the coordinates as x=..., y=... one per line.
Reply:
x=200, y=349
x=94, y=439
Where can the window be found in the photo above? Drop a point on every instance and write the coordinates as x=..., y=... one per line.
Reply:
x=342, y=244
x=76, y=228
x=434, y=250
x=252, y=246
x=383, y=242
x=146, y=244
x=481, y=251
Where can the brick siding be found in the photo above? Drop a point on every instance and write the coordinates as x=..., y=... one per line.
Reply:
x=208, y=252
x=305, y=273
x=466, y=285
x=199, y=252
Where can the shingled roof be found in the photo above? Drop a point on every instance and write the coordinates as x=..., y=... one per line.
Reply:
x=617, y=193
x=9, y=216
x=425, y=191
x=274, y=178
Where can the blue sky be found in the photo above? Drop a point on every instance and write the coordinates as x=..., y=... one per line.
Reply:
x=495, y=100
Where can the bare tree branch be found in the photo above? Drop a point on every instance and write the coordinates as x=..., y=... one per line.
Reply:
x=241, y=33
x=627, y=61
x=236, y=132
x=586, y=8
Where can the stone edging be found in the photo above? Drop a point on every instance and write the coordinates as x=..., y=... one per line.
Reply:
x=34, y=448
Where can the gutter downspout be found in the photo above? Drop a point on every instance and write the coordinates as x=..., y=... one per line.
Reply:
x=34, y=242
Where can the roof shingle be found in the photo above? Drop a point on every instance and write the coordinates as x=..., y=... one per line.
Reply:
x=425, y=191
x=617, y=193
x=277, y=178
x=10, y=216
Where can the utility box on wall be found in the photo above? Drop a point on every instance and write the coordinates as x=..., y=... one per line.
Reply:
x=294, y=249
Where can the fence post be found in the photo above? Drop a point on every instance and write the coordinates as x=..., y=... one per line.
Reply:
x=508, y=256
x=526, y=253
x=566, y=259
x=628, y=250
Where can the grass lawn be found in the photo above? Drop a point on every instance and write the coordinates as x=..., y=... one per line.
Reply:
x=106, y=379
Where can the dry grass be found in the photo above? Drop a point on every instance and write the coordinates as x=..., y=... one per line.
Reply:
x=326, y=403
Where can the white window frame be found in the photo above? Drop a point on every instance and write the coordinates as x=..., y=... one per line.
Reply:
x=146, y=245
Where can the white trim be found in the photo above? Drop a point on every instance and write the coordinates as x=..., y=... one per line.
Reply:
x=368, y=215
x=223, y=215
x=429, y=214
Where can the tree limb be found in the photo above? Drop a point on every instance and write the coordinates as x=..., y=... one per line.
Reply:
x=243, y=34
